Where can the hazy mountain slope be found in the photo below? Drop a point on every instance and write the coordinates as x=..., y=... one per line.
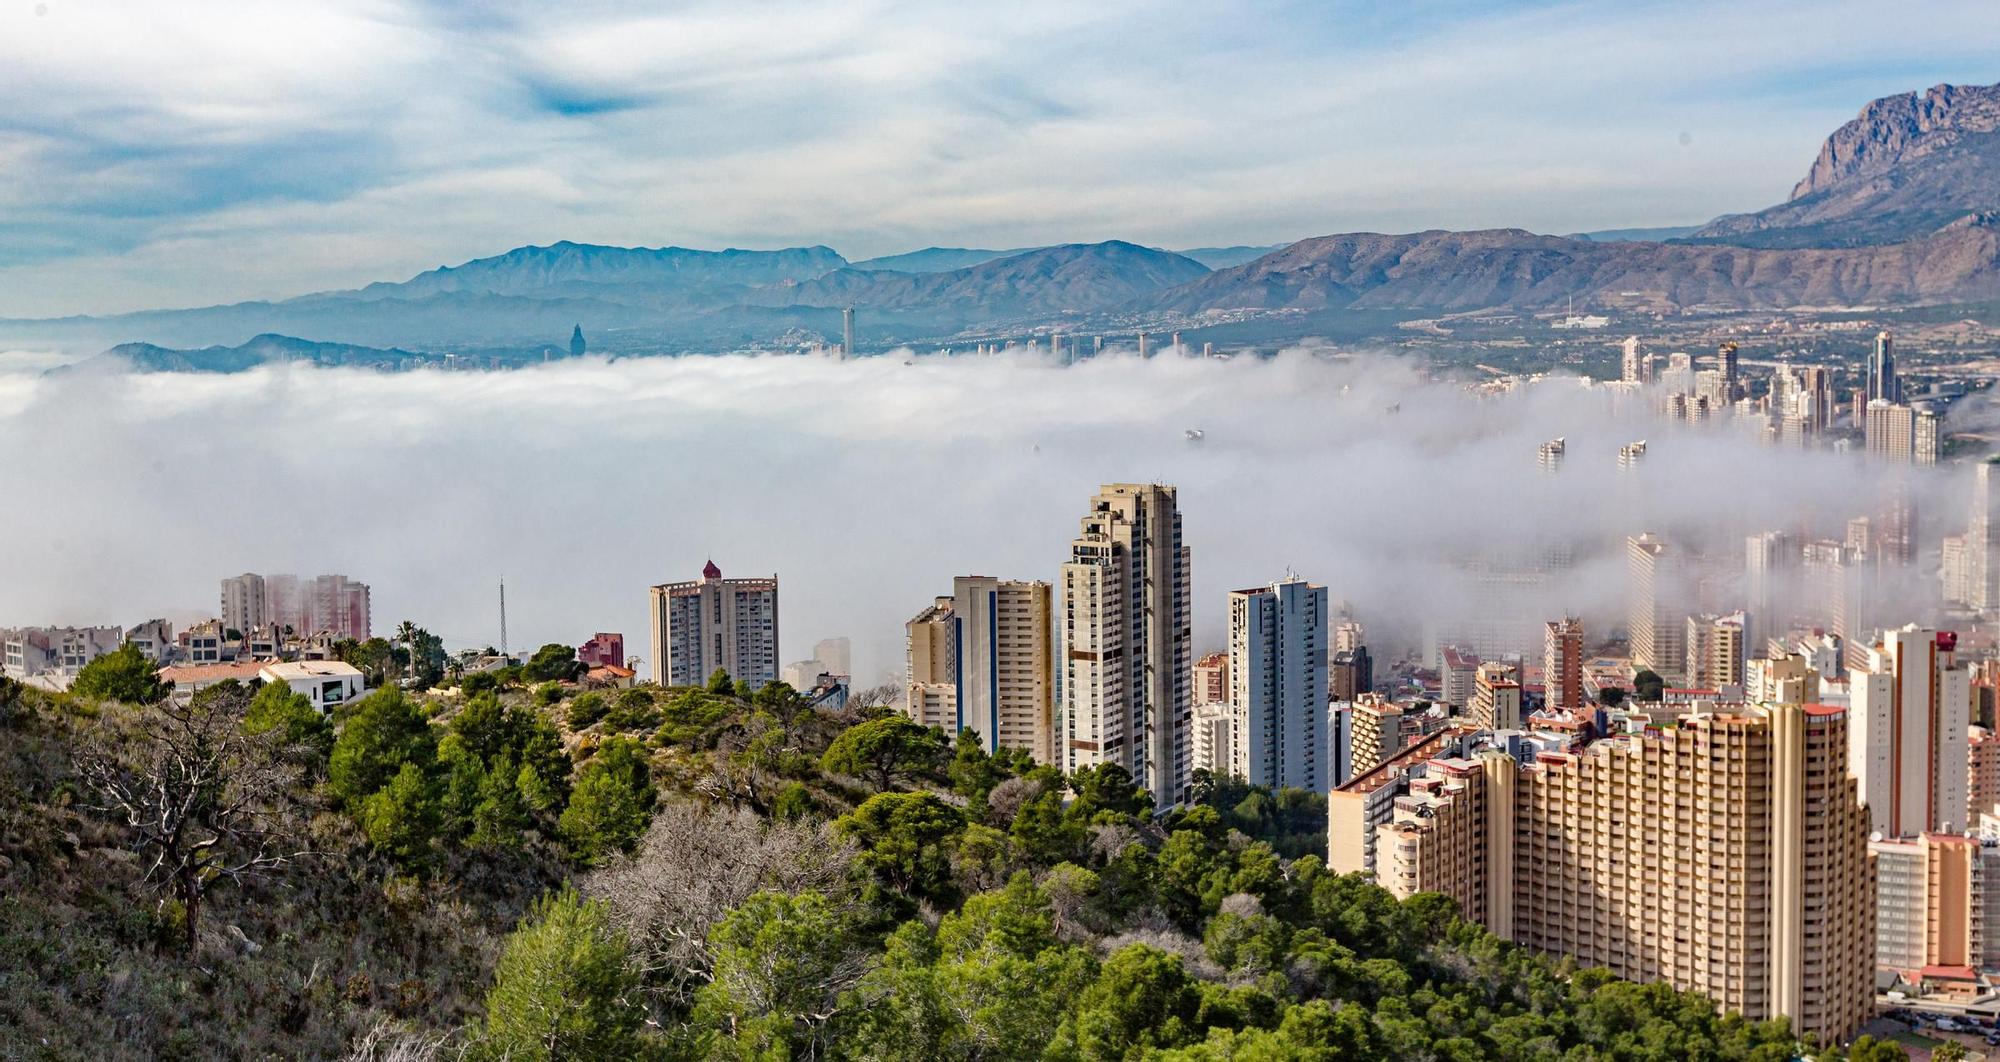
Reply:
x=1081, y=278
x=260, y=350
x=1226, y=257
x=936, y=259
x=1453, y=271
x=1904, y=167
x=538, y=270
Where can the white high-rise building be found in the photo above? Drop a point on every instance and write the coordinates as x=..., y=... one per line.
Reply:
x=244, y=603
x=1126, y=636
x=1907, y=744
x=1982, y=538
x=1277, y=685
x=714, y=624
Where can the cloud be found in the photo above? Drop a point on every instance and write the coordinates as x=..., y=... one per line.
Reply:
x=161, y=157
x=866, y=485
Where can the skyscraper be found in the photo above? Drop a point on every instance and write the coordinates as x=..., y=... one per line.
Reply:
x=244, y=603
x=1005, y=663
x=1656, y=606
x=1125, y=639
x=577, y=347
x=1278, y=685
x=1550, y=455
x=1883, y=384
x=847, y=332
x=1562, y=664
x=1631, y=455
x=1983, y=537
x=714, y=624
x=1908, y=748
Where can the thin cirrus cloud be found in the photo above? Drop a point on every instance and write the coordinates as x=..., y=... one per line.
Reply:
x=163, y=157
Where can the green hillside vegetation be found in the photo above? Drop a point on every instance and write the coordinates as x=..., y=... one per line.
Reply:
x=519, y=869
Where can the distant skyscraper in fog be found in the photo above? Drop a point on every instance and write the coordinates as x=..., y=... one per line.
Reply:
x=1883, y=384
x=847, y=332
x=1656, y=612
x=1550, y=455
x=1983, y=536
x=1562, y=664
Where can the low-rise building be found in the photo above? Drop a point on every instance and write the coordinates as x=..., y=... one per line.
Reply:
x=328, y=684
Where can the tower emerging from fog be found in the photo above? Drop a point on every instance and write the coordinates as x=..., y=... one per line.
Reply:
x=1126, y=640
x=1655, y=616
x=847, y=332
x=1982, y=539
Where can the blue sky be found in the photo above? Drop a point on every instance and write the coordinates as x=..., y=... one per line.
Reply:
x=167, y=155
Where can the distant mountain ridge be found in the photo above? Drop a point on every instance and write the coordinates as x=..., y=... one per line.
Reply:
x=1901, y=207
x=539, y=270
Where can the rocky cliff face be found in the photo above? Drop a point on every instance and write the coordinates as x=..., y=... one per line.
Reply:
x=1898, y=129
x=1906, y=167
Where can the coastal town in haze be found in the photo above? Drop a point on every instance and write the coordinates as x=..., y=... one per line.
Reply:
x=840, y=532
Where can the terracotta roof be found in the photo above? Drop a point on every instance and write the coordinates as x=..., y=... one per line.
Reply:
x=180, y=673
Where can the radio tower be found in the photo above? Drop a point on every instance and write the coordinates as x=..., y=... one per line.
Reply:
x=503, y=617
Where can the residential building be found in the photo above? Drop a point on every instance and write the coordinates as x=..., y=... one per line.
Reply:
x=245, y=602
x=1125, y=640
x=1376, y=724
x=835, y=655
x=328, y=684
x=1496, y=697
x=1214, y=739
x=189, y=679
x=207, y=642
x=1549, y=456
x=1656, y=606
x=1982, y=781
x=1562, y=664
x=1928, y=904
x=930, y=696
x=1351, y=674
x=1787, y=678
x=1006, y=663
x=982, y=660
x=154, y=637
x=1983, y=536
x=1632, y=455
x=1278, y=684
x=340, y=606
x=1725, y=854
x=1715, y=653
x=1912, y=705
x=1456, y=671
x=1349, y=635
x=1211, y=679
x=604, y=647
x=1955, y=571
x=712, y=624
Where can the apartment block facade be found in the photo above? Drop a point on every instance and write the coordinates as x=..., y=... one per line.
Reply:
x=714, y=624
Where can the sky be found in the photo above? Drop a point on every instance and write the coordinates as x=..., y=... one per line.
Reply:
x=866, y=486
x=161, y=155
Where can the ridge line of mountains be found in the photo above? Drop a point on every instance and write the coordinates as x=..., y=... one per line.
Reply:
x=1900, y=208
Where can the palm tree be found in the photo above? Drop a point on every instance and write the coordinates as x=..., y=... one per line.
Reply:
x=408, y=633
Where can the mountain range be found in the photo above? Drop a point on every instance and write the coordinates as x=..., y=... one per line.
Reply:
x=1901, y=207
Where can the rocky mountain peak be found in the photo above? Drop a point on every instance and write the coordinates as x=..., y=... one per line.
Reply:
x=1897, y=129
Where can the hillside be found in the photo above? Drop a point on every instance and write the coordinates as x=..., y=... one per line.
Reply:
x=722, y=873
x=260, y=350
x=1453, y=271
x=1904, y=167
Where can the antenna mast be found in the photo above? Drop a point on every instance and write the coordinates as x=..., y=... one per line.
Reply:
x=503, y=617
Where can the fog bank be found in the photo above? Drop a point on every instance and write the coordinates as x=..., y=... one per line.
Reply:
x=866, y=485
